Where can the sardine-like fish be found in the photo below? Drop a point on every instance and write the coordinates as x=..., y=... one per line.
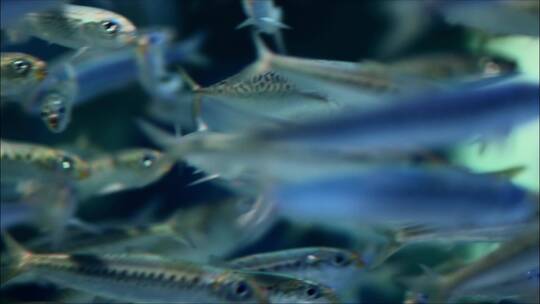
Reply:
x=37, y=183
x=437, y=197
x=266, y=93
x=429, y=121
x=333, y=267
x=137, y=279
x=76, y=27
x=288, y=289
x=20, y=72
x=349, y=84
x=508, y=272
x=124, y=170
x=266, y=18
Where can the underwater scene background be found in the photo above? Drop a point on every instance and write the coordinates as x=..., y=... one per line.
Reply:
x=207, y=226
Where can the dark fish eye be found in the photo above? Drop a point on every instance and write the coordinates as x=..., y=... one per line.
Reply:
x=66, y=163
x=240, y=290
x=312, y=292
x=148, y=160
x=110, y=26
x=21, y=66
x=340, y=259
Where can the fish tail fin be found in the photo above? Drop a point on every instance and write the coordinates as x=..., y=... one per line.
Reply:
x=246, y=23
x=13, y=263
x=263, y=52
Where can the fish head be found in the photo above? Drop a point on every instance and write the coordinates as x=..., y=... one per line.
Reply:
x=111, y=32
x=56, y=111
x=236, y=288
x=141, y=167
x=23, y=70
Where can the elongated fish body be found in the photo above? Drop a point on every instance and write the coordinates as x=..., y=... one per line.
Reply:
x=124, y=170
x=20, y=72
x=287, y=289
x=486, y=15
x=513, y=263
x=267, y=93
x=437, y=197
x=335, y=268
x=141, y=278
x=345, y=83
x=76, y=26
x=431, y=121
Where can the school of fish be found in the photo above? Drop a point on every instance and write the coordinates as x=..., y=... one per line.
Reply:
x=356, y=149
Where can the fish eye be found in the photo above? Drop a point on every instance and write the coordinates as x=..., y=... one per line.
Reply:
x=340, y=259
x=66, y=163
x=148, y=160
x=240, y=290
x=21, y=66
x=312, y=292
x=110, y=26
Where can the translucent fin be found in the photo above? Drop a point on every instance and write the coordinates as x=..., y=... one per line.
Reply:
x=246, y=23
x=12, y=265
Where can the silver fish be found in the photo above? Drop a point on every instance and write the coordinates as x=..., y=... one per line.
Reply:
x=137, y=279
x=348, y=84
x=333, y=267
x=394, y=195
x=20, y=72
x=431, y=121
x=123, y=170
x=77, y=27
x=37, y=185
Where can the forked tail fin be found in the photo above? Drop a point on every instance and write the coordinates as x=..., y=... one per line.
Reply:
x=12, y=264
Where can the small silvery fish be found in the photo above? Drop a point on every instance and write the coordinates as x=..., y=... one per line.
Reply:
x=265, y=93
x=77, y=27
x=506, y=273
x=37, y=184
x=288, y=289
x=137, y=279
x=124, y=170
x=429, y=121
x=350, y=84
x=332, y=267
x=266, y=18
x=20, y=73
x=433, y=196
